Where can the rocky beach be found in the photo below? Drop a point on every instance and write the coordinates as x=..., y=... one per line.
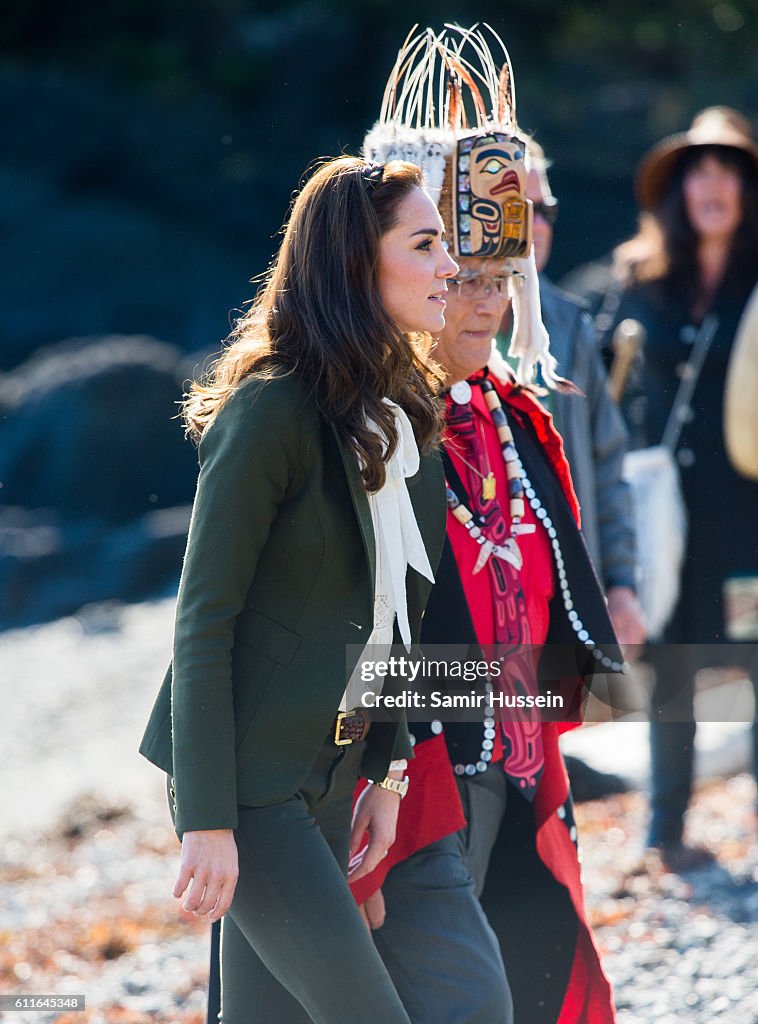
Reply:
x=88, y=857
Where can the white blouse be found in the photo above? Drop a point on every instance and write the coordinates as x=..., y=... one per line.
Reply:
x=398, y=544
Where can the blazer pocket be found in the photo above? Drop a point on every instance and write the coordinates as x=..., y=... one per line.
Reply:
x=267, y=637
x=252, y=673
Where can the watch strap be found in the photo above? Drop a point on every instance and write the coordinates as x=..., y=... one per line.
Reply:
x=399, y=786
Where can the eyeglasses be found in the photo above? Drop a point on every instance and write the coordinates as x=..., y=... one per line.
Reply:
x=478, y=286
x=547, y=209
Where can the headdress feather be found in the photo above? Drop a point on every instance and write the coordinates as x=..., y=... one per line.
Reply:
x=439, y=82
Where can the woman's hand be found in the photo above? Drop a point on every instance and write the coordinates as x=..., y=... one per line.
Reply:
x=628, y=620
x=376, y=813
x=209, y=866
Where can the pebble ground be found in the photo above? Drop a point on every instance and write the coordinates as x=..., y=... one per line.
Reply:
x=88, y=858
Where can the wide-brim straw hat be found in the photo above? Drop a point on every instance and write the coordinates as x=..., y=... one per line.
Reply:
x=714, y=126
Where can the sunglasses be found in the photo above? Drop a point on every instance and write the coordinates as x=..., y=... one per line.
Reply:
x=547, y=209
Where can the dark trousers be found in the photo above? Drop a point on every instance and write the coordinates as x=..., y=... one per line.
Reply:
x=672, y=752
x=533, y=917
x=294, y=949
x=443, y=955
x=672, y=735
x=672, y=740
x=441, y=952
x=447, y=952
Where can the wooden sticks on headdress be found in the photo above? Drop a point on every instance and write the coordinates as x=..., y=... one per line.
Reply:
x=436, y=77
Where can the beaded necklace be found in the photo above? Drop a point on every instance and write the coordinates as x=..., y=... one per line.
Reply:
x=508, y=551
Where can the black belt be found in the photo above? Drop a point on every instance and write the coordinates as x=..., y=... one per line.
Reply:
x=350, y=727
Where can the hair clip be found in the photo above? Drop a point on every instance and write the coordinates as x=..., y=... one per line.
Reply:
x=372, y=173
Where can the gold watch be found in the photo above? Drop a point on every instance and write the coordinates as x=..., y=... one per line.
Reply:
x=399, y=786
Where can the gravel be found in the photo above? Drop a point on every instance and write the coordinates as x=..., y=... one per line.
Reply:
x=88, y=857
x=677, y=945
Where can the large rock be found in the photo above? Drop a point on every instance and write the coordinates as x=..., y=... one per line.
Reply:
x=96, y=477
x=90, y=430
x=52, y=566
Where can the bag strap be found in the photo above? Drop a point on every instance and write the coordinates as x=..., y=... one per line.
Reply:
x=605, y=317
x=688, y=383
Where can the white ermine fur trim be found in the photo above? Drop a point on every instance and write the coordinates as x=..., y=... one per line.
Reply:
x=530, y=343
x=426, y=148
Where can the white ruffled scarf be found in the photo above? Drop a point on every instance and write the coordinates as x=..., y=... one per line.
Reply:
x=399, y=544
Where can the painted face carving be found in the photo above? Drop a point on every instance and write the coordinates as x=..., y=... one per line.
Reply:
x=492, y=215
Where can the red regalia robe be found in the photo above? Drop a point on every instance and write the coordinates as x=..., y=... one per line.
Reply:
x=432, y=808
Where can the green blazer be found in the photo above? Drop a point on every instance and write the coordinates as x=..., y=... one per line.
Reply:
x=278, y=578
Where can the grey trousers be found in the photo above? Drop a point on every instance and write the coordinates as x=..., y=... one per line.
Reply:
x=436, y=942
x=294, y=949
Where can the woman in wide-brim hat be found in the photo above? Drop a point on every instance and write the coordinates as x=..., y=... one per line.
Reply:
x=715, y=126
x=694, y=261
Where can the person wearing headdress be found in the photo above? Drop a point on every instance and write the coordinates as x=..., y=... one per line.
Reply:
x=515, y=578
x=685, y=280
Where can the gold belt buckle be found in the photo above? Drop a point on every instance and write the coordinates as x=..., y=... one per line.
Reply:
x=338, y=726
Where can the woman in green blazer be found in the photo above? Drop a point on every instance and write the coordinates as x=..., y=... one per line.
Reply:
x=308, y=427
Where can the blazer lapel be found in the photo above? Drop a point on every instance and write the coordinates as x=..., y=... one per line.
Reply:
x=427, y=491
x=361, y=506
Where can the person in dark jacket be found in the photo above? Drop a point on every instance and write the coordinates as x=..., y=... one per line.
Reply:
x=491, y=815
x=593, y=431
x=692, y=265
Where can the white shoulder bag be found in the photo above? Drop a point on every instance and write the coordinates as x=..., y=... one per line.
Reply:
x=659, y=510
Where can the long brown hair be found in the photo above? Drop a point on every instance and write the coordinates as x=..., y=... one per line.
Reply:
x=319, y=315
x=664, y=250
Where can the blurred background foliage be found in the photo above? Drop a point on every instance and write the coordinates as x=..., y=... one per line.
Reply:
x=150, y=150
x=182, y=127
